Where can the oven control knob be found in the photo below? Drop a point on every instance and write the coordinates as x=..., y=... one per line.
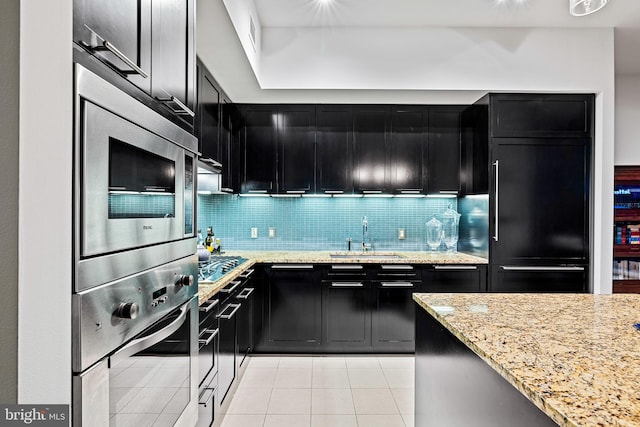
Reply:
x=184, y=280
x=127, y=310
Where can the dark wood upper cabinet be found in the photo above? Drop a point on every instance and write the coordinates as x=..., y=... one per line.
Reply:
x=228, y=148
x=258, y=138
x=208, y=116
x=149, y=43
x=371, y=126
x=541, y=115
x=334, y=148
x=119, y=34
x=444, y=149
x=296, y=148
x=173, y=52
x=408, y=149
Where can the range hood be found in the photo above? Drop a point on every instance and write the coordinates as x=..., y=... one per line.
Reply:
x=209, y=177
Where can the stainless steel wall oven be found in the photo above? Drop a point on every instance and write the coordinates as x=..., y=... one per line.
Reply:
x=134, y=305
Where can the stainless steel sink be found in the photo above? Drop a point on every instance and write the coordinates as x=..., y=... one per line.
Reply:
x=365, y=255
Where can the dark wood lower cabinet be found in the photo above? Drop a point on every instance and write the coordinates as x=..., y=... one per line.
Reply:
x=393, y=316
x=455, y=278
x=292, y=309
x=508, y=278
x=346, y=316
x=348, y=308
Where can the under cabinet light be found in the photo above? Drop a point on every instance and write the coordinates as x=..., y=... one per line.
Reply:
x=442, y=196
x=317, y=196
x=253, y=195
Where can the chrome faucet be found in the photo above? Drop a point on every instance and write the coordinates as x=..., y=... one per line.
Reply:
x=365, y=231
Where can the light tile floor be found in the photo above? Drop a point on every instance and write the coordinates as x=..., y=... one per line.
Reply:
x=324, y=391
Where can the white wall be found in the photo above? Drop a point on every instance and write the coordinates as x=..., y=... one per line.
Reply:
x=44, y=231
x=627, y=151
x=240, y=12
x=436, y=58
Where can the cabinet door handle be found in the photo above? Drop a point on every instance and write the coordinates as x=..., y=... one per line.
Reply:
x=182, y=110
x=236, y=307
x=346, y=284
x=213, y=332
x=207, y=308
x=211, y=162
x=455, y=267
x=107, y=46
x=495, y=222
x=538, y=268
x=397, y=285
x=246, y=274
x=245, y=293
x=292, y=267
x=207, y=397
x=235, y=283
x=396, y=267
x=346, y=267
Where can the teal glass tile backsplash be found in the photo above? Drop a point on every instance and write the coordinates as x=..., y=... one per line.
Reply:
x=318, y=223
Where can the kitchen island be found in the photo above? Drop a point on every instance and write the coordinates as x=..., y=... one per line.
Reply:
x=527, y=359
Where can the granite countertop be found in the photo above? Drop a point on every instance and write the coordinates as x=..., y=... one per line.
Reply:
x=576, y=357
x=208, y=289
x=375, y=257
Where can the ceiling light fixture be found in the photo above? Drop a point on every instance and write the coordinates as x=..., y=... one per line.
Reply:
x=585, y=7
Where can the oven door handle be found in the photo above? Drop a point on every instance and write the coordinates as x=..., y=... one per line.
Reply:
x=140, y=344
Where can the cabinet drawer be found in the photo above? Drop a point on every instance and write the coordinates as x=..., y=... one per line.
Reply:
x=538, y=279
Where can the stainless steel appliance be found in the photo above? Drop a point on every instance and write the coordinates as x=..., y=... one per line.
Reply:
x=217, y=266
x=135, y=349
x=134, y=184
x=134, y=308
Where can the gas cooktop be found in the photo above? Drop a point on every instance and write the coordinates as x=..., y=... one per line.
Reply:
x=218, y=266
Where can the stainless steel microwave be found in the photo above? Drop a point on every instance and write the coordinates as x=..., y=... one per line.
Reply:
x=134, y=190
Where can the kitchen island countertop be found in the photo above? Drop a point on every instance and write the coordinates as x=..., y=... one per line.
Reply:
x=208, y=289
x=575, y=356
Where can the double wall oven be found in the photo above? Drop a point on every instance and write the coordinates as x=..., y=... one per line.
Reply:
x=135, y=310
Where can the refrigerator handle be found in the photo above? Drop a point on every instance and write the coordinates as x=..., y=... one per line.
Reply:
x=495, y=234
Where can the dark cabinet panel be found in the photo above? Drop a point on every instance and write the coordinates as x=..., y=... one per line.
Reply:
x=455, y=278
x=408, y=149
x=371, y=125
x=541, y=115
x=541, y=188
x=296, y=148
x=125, y=27
x=227, y=149
x=539, y=278
x=259, y=145
x=173, y=51
x=334, y=164
x=474, y=136
x=228, y=348
x=346, y=314
x=245, y=324
x=444, y=149
x=208, y=116
x=292, y=311
x=393, y=315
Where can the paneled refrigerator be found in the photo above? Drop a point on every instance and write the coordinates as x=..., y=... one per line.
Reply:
x=539, y=167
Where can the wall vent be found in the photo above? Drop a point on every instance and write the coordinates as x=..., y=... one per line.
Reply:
x=252, y=32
